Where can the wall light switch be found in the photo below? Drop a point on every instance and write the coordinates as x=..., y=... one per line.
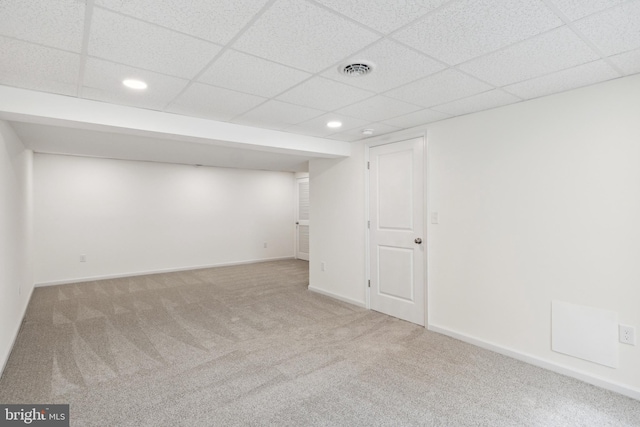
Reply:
x=434, y=217
x=322, y=266
x=83, y=258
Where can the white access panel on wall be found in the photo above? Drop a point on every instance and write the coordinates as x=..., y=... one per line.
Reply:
x=396, y=238
x=585, y=332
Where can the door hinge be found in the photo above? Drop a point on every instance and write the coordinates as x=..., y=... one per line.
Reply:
x=368, y=165
x=368, y=224
x=369, y=283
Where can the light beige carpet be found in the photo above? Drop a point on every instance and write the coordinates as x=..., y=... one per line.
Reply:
x=250, y=346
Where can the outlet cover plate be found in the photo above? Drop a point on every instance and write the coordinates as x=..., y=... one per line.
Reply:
x=627, y=334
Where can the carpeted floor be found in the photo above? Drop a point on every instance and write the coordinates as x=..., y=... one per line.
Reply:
x=250, y=346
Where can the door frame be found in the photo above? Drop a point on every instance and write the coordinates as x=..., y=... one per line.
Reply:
x=425, y=215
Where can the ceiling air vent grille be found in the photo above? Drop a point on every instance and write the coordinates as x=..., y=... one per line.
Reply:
x=356, y=69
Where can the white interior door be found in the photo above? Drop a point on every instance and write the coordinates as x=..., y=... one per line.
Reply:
x=396, y=237
x=302, y=218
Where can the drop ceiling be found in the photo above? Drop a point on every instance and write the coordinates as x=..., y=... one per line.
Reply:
x=274, y=63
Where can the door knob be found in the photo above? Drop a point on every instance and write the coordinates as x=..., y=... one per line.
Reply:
x=418, y=240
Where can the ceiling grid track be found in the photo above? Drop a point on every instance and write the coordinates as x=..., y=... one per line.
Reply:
x=578, y=33
x=224, y=49
x=88, y=15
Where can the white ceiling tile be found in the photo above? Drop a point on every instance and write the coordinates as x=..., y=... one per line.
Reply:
x=210, y=102
x=629, y=62
x=318, y=125
x=303, y=35
x=38, y=67
x=482, y=101
x=576, y=9
x=553, y=51
x=279, y=113
x=215, y=20
x=378, y=108
x=582, y=75
x=351, y=136
x=418, y=118
x=378, y=129
x=128, y=41
x=258, y=123
x=383, y=15
x=324, y=94
x=246, y=73
x=346, y=137
x=394, y=65
x=467, y=29
x=103, y=82
x=52, y=23
x=356, y=134
x=615, y=30
x=439, y=88
x=301, y=130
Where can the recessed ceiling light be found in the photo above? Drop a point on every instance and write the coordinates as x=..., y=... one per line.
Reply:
x=134, y=84
x=367, y=132
x=334, y=124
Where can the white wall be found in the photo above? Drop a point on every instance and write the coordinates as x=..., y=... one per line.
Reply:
x=132, y=217
x=537, y=201
x=337, y=234
x=16, y=281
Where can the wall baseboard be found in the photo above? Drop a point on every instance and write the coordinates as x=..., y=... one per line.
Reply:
x=338, y=297
x=159, y=271
x=542, y=363
x=3, y=364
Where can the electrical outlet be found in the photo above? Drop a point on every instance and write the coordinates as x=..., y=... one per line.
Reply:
x=322, y=266
x=83, y=258
x=265, y=245
x=627, y=334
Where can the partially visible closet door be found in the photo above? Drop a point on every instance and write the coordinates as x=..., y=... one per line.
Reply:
x=302, y=218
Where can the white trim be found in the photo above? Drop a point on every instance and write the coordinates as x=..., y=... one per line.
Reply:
x=367, y=230
x=337, y=296
x=15, y=335
x=295, y=215
x=426, y=216
x=399, y=136
x=631, y=392
x=163, y=270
